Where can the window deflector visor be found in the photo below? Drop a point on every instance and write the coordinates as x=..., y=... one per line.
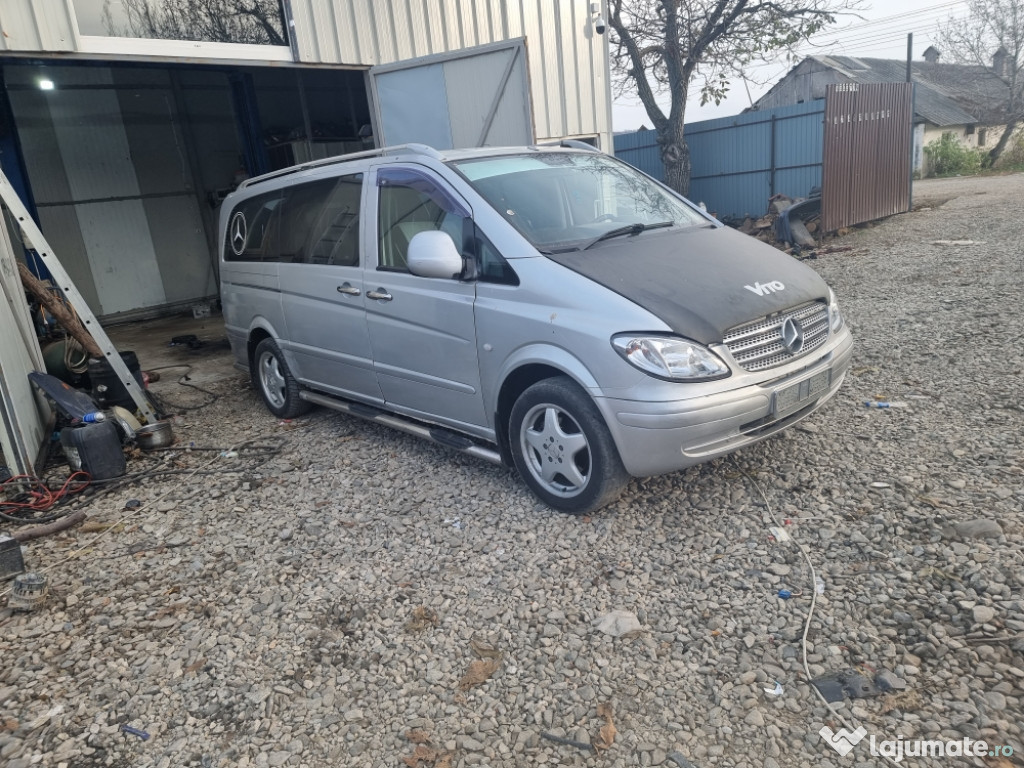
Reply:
x=408, y=177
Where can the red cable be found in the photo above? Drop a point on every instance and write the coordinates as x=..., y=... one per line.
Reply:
x=43, y=497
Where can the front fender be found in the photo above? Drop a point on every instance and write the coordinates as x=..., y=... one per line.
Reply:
x=554, y=357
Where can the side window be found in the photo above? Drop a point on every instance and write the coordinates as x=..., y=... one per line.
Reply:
x=335, y=234
x=300, y=208
x=493, y=267
x=411, y=202
x=253, y=229
x=302, y=216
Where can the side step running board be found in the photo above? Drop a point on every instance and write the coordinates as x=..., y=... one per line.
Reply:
x=436, y=435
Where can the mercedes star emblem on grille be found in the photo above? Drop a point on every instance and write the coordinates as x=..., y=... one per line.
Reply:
x=238, y=234
x=792, y=335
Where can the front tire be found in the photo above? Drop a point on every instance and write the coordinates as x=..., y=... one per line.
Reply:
x=563, y=449
x=274, y=380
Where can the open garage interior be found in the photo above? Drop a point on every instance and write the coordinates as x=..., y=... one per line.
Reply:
x=125, y=165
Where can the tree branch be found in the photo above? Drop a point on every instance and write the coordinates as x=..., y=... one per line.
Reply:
x=643, y=87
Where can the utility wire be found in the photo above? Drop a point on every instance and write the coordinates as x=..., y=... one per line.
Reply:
x=810, y=611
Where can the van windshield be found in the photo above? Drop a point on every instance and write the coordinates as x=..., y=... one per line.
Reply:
x=567, y=201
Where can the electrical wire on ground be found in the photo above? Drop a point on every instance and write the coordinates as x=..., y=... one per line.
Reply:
x=262, y=449
x=259, y=453
x=28, y=495
x=166, y=407
x=810, y=611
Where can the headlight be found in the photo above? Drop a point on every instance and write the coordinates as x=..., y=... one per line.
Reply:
x=670, y=358
x=834, y=315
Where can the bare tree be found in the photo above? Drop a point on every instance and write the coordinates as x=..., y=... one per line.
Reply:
x=992, y=35
x=222, y=21
x=665, y=46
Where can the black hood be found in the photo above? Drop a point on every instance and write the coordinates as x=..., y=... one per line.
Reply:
x=696, y=280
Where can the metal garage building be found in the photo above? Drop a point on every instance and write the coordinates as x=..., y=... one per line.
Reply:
x=124, y=122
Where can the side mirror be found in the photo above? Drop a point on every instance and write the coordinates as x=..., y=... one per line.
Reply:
x=433, y=254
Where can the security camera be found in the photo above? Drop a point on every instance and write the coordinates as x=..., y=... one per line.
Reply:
x=599, y=25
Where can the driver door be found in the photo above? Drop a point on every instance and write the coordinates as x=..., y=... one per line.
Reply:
x=422, y=330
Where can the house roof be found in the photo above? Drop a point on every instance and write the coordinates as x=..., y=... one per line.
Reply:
x=946, y=94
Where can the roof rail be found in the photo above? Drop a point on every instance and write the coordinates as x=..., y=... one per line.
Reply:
x=397, y=149
x=571, y=144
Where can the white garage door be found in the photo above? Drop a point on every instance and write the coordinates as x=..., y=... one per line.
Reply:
x=478, y=97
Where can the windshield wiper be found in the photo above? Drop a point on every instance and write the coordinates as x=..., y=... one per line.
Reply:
x=629, y=229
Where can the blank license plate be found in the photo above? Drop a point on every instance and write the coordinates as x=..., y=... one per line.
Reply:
x=792, y=397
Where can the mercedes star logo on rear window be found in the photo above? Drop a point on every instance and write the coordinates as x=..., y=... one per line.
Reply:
x=238, y=233
x=792, y=335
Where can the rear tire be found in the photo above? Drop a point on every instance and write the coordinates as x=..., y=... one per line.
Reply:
x=274, y=380
x=563, y=449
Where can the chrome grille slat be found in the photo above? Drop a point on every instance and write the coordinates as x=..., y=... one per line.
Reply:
x=757, y=345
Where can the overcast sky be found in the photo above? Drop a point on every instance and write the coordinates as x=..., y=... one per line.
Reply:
x=881, y=33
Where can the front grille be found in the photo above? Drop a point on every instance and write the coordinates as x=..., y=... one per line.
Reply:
x=757, y=345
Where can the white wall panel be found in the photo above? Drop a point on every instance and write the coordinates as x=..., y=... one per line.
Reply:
x=419, y=27
x=399, y=15
x=35, y=130
x=324, y=17
x=472, y=86
x=110, y=171
x=476, y=97
x=568, y=61
x=402, y=120
x=59, y=224
x=182, y=251
x=93, y=143
x=467, y=27
x=23, y=427
x=156, y=145
x=436, y=24
x=36, y=25
x=120, y=247
x=364, y=27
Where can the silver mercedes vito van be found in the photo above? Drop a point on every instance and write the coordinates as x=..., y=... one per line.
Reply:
x=549, y=308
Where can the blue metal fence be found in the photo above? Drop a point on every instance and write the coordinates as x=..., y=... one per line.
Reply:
x=739, y=162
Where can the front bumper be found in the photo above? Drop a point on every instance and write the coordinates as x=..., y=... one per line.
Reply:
x=665, y=436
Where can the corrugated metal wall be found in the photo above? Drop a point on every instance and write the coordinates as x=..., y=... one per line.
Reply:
x=739, y=162
x=567, y=59
x=36, y=25
x=867, y=152
x=23, y=430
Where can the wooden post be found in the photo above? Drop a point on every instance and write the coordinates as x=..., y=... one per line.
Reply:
x=68, y=320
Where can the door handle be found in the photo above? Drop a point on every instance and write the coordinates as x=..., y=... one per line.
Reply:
x=380, y=294
x=348, y=289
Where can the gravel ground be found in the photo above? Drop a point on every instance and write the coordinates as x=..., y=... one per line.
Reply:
x=337, y=594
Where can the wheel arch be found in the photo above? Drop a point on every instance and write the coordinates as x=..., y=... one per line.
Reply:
x=527, y=368
x=259, y=331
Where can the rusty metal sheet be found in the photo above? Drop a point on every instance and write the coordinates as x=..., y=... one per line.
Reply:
x=866, y=174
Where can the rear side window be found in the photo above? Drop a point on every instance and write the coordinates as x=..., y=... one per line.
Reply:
x=335, y=233
x=316, y=222
x=320, y=222
x=253, y=229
